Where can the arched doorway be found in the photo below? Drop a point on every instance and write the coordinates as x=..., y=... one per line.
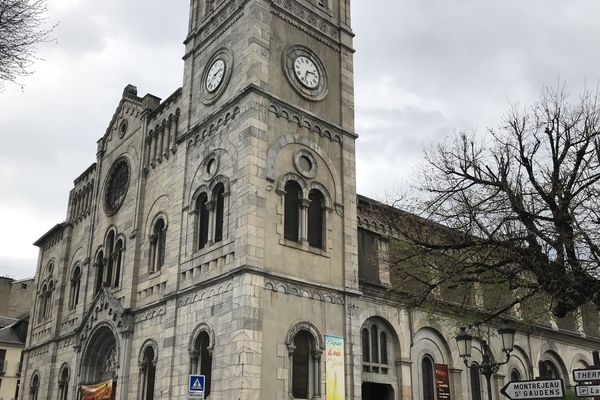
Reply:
x=100, y=359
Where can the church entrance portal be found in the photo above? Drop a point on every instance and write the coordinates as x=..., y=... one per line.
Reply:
x=99, y=362
x=377, y=391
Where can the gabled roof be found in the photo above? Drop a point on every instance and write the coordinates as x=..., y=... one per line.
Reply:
x=14, y=333
x=6, y=321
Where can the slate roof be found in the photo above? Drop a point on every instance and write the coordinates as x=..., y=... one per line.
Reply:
x=6, y=321
x=9, y=335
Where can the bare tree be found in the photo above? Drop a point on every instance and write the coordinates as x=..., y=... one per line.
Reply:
x=512, y=216
x=23, y=25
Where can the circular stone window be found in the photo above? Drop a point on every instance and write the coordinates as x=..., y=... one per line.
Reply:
x=123, y=127
x=306, y=163
x=116, y=186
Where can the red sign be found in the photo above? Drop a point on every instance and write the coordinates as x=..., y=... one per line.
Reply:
x=99, y=391
x=442, y=382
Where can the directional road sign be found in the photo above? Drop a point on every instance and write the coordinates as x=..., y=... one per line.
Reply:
x=196, y=384
x=589, y=390
x=546, y=389
x=588, y=374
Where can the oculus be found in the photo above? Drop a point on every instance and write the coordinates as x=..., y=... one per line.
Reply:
x=306, y=72
x=305, y=163
x=216, y=75
x=116, y=186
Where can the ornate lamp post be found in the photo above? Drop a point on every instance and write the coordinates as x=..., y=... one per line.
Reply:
x=486, y=367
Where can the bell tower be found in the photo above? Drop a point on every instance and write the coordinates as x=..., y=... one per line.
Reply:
x=267, y=111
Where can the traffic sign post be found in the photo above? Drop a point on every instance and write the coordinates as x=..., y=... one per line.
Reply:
x=538, y=389
x=586, y=375
x=589, y=390
x=196, y=387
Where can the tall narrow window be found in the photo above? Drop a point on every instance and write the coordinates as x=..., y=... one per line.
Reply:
x=42, y=305
x=301, y=365
x=63, y=385
x=291, y=217
x=75, y=287
x=475, y=383
x=203, y=219
x=202, y=359
x=118, y=262
x=148, y=374
x=219, y=198
x=427, y=376
x=34, y=387
x=366, y=350
x=316, y=214
x=99, y=271
x=158, y=242
x=48, y=300
x=110, y=245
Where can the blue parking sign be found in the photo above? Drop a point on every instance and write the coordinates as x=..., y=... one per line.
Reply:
x=196, y=384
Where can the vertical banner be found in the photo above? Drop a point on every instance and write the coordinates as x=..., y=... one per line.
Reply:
x=442, y=382
x=99, y=391
x=335, y=385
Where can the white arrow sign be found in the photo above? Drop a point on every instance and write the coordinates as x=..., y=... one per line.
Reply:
x=589, y=374
x=546, y=389
x=593, y=390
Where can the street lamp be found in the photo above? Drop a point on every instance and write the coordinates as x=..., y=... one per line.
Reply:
x=486, y=367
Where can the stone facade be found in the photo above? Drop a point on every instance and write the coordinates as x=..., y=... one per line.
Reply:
x=176, y=256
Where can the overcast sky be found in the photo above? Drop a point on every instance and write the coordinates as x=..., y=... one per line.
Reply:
x=423, y=69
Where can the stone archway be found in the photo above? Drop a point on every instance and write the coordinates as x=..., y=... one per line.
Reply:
x=100, y=358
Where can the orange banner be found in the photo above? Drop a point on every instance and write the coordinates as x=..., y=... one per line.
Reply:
x=99, y=391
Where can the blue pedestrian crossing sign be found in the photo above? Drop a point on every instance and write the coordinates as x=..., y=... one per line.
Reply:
x=196, y=384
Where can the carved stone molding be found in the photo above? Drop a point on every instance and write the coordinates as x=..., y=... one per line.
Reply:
x=205, y=294
x=306, y=122
x=307, y=21
x=296, y=289
x=217, y=23
x=149, y=314
x=213, y=125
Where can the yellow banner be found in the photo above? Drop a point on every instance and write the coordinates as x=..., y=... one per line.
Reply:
x=334, y=368
x=99, y=391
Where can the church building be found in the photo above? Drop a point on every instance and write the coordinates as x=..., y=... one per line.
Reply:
x=219, y=233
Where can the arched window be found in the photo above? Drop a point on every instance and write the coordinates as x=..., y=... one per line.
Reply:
x=548, y=370
x=158, y=241
x=375, y=349
x=110, y=245
x=203, y=220
x=219, y=198
x=42, y=304
x=63, y=384
x=515, y=375
x=305, y=356
x=301, y=365
x=46, y=300
x=148, y=374
x=475, y=383
x=316, y=218
x=427, y=378
x=118, y=255
x=75, y=287
x=201, y=359
x=99, y=264
x=291, y=217
x=34, y=386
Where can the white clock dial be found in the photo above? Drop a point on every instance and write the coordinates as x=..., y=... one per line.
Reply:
x=215, y=75
x=306, y=71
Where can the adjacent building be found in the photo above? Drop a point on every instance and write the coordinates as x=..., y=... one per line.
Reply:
x=219, y=232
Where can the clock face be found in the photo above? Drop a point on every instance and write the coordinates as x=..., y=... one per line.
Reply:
x=306, y=71
x=215, y=75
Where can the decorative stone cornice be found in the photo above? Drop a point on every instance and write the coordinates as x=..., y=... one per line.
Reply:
x=300, y=290
x=307, y=21
x=215, y=25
